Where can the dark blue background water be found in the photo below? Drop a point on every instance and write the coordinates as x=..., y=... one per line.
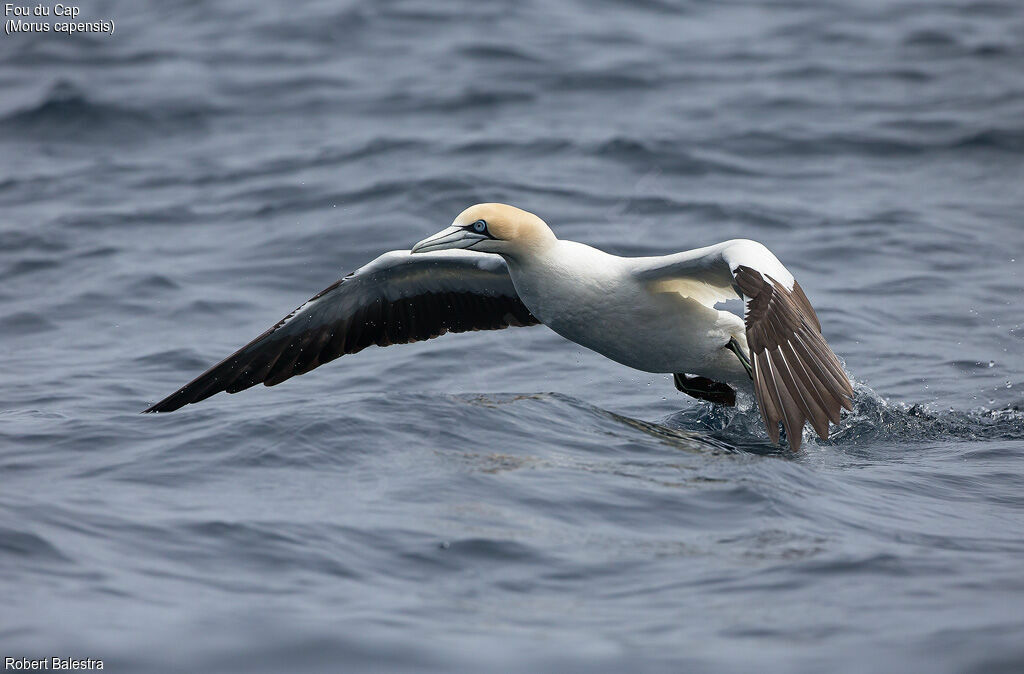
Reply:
x=508, y=501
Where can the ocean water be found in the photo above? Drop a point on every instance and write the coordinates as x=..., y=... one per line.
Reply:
x=507, y=501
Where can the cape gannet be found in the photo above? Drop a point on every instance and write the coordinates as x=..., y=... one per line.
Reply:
x=498, y=266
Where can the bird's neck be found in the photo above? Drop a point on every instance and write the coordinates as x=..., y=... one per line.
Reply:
x=535, y=245
x=560, y=259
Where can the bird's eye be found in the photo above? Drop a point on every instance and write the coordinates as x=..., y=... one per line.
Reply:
x=480, y=227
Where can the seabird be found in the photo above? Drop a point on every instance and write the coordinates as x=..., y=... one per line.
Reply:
x=498, y=266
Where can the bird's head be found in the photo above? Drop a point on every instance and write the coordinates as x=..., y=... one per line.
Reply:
x=491, y=228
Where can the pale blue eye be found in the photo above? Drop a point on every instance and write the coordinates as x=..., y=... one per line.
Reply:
x=479, y=226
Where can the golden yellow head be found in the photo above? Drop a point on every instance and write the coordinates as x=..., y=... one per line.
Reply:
x=491, y=228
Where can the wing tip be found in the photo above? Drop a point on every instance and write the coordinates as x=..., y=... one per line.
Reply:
x=162, y=407
x=168, y=404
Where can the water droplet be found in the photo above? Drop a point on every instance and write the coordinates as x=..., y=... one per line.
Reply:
x=1009, y=385
x=991, y=363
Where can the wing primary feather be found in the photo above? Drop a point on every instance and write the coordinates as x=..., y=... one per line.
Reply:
x=397, y=298
x=819, y=407
x=769, y=412
x=792, y=419
x=797, y=377
x=813, y=407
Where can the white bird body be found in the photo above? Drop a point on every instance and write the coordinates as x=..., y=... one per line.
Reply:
x=595, y=299
x=655, y=314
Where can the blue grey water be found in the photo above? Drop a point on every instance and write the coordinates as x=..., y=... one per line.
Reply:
x=507, y=501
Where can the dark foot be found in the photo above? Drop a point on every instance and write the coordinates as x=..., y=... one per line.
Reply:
x=703, y=388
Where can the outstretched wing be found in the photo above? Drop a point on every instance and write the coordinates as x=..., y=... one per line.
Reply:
x=396, y=299
x=797, y=377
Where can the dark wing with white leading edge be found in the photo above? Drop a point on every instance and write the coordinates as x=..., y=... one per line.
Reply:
x=396, y=299
x=797, y=378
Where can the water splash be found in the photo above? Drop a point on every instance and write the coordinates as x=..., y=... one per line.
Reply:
x=873, y=419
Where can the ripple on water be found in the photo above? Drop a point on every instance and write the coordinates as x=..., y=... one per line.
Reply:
x=169, y=193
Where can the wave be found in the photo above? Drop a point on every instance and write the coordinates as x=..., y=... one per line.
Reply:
x=67, y=113
x=765, y=143
x=25, y=544
x=873, y=419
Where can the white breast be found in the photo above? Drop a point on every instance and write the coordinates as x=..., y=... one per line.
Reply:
x=592, y=298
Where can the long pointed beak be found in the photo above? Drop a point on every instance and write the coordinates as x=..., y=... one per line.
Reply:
x=452, y=237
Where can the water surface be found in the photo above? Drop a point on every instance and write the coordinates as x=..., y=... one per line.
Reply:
x=508, y=501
